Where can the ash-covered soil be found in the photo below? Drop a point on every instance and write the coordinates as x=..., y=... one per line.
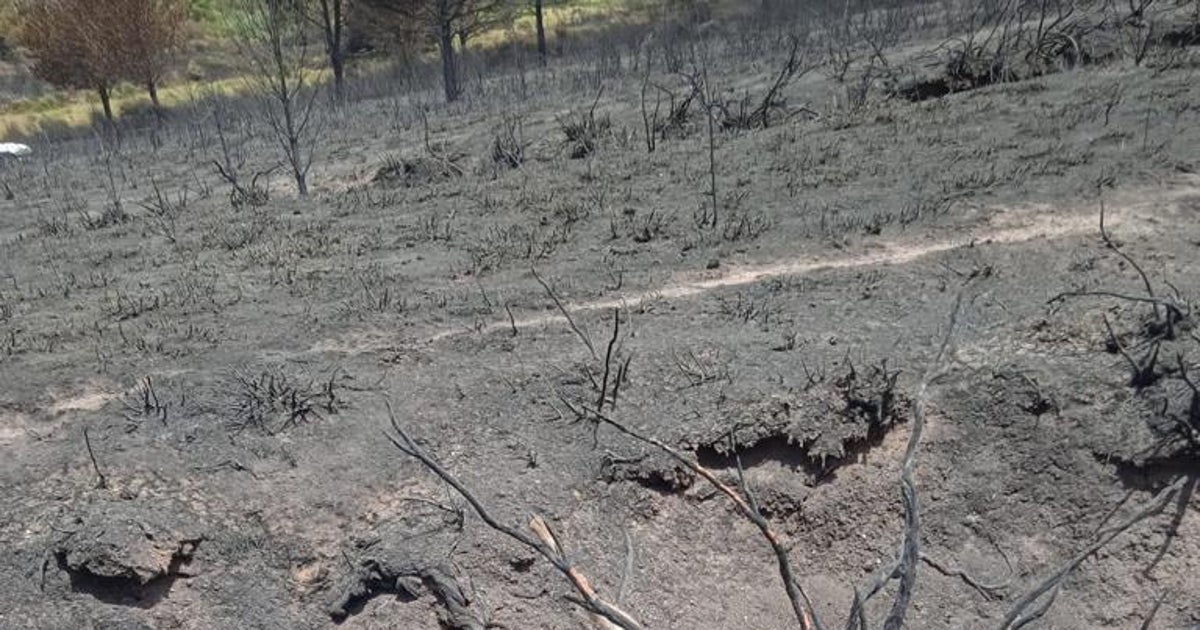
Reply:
x=194, y=417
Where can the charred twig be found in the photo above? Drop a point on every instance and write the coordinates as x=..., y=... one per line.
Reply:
x=453, y=510
x=1143, y=374
x=446, y=161
x=989, y=591
x=805, y=613
x=1158, y=601
x=622, y=376
x=650, y=120
x=608, y=355
x=587, y=341
x=512, y=321
x=910, y=550
x=904, y=568
x=1189, y=425
x=1108, y=242
x=1167, y=312
x=101, y=480
x=1174, y=313
x=857, y=617
x=147, y=404
x=789, y=71
x=696, y=370
x=800, y=605
x=1022, y=612
x=240, y=195
x=544, y=542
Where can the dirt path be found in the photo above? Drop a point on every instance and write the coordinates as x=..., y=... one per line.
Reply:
x=1129, y=212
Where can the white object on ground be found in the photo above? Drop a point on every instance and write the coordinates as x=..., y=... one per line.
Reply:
x=14, y=149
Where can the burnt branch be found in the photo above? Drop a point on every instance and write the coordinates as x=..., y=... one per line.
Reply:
x=587, y=341
x=1143, y=373
x=1108, y=242
x=910, y=549
x=988, y=591
x=1025, y=611
x=608, y=357
x=744, y=503
x=1167, y=312
x=101, y=480
x=904, y=567
x=544, y=541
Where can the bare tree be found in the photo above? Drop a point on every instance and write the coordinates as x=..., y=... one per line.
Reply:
x=96, y=43
x=446, y=19
x=539, y=18
x=330, y=16
x=273, y=37
x=74, y=44
x=152, y=35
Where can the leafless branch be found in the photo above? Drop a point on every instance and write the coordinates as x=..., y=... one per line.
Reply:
x=1142, y=371
x=989, y=591
x=1129, y=259
x=544, y=541
x=101, y=480
x=1022, y=612
x=910, y=549
x=800, y=604
x=608, y=355
x=587, y=341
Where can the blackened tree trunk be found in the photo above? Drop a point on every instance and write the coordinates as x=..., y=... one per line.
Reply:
x=449, y=65
x=152, y=89
x=539, y=14
x=337, y=63
x=333, y=21
x=106, y=101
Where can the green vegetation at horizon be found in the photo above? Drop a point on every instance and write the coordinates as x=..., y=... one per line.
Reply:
x=214, y=27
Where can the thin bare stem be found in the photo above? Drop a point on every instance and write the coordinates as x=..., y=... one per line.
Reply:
x=612, y=342
x=101, y=480
x=800, y=603
x=587, y=341
x=1022, y=613
x=546, y=543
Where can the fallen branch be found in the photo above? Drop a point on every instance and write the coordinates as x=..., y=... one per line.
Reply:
x=546, y=543
x=101, y=480
x=1143, y=374
x=989, y=591
x=910, y=549
x=1022, y=613
x=904, y=568
x=1129, y=259
x=587, y=341
x=801, y=605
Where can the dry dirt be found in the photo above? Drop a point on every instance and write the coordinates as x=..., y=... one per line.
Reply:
x=232, y=379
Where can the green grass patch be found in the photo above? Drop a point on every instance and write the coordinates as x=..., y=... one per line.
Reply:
x=579, y=16
x=214, y=19
x=79, y=108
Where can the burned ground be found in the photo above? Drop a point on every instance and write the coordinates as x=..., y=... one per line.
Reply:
x=233, y=364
